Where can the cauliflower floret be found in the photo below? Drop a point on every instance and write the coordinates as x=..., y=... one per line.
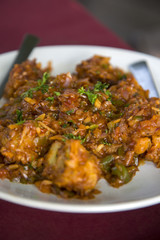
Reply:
x=72, y=167
x=22, y=143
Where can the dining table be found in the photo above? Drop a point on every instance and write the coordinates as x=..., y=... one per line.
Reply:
x=65, y=22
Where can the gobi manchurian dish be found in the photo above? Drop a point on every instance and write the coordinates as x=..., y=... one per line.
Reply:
x=64, y=133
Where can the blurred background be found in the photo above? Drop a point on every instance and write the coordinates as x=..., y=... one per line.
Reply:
x=136, y=21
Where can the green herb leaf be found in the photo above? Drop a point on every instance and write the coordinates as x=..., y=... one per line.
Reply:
x=99, y=86
x=72, y=136
x=28, y=93
x=70, y=111
x=82, y=90
x=102, y=87
x=106, y=143
x=78, y=137
x=83, y=140
x=91, y=95
x=41, y=86
x=57, y=93
x=50, y=99
x=107, y=92
x=19, y=117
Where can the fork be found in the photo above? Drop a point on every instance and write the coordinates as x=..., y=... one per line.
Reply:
x=144, y=77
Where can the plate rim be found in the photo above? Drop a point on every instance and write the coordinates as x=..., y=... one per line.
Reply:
x=85, y=46
x=76, y=208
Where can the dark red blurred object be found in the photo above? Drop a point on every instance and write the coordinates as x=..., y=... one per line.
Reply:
x=59, y=22
x=55, y=22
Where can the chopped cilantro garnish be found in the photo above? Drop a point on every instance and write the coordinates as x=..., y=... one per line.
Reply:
x=106, y=143
x=82, y=90
x=99, y=86
x=50, y=99
x=91, y=96
x=41, y=86
x=19, y=117
x=28, y=93
x=83, y=140
x=107, y=92
x=57, y=93
x=72, y=136
x=70, y=111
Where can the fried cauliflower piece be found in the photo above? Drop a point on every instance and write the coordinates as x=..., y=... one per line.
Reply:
x=154, y=152
x=22, y=144
x=22, y=74
x=72, y=167
x=142, y=145
x=98, y=68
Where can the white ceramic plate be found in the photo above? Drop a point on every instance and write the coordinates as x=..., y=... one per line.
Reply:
x=142, y=191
